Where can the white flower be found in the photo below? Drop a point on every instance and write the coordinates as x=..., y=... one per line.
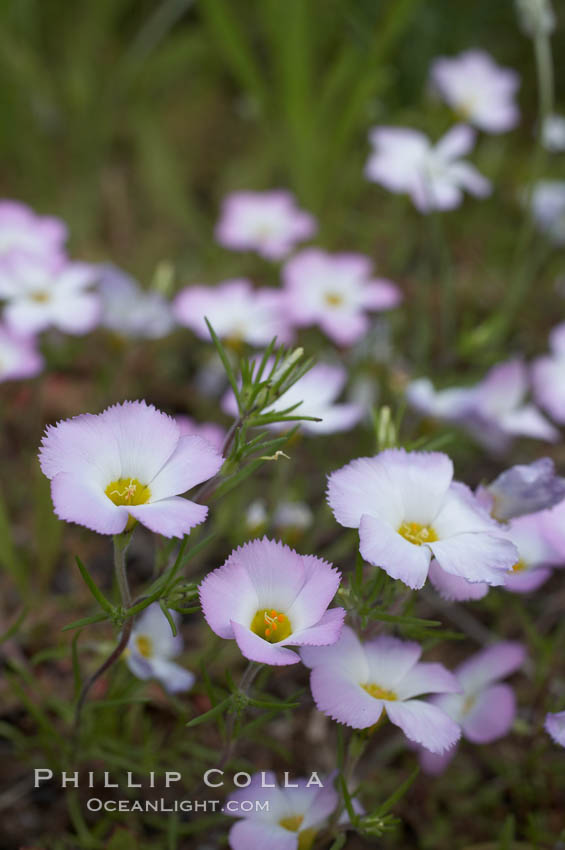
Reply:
x=405, y=161
x=151, y=647
x=43, y=293
x=130, y=311
x=479, y=89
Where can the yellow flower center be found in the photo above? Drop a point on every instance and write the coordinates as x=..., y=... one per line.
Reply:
x=379, y=693
x=334, y=299
x=417, y=534
x=271, y=625
x=40, y=297
x=144, y=646
x=306, y=837
x=519, y=567
x=468, y=704
x=128, y=491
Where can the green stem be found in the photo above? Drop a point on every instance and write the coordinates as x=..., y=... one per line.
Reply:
x=121, y=543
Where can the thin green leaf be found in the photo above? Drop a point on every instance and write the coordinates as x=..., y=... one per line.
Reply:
x=95, y=591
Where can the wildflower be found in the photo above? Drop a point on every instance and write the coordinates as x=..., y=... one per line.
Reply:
x=124, y=465
x=494, y=411
x=523, y=489
x=485, y=709
x=236, y=311
x=269, y=223
x=42, y=293
x=21, y=229
x=479, y=90
x=533, y=540
x=553, y=133
x=555, y=726
x=405, y=161
x=19, y=357
x=128, y=310
x=409, y=510
x=315, y=394
x=548, y=374
x=267, y=597
x=286, y=819
x=548, y=208
x=335, y=291
x=210, y=431
x=151, y=647
x=354, y=682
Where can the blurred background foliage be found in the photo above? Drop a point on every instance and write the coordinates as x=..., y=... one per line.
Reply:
x=131, y=120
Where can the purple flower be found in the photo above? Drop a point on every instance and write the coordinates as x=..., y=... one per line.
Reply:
x=267, y=597
x=405, y=161
x=478, y=89
x=151, y=647
x=548, y=376
x=128, y=310
x=555, y=726
x=21, y=229
x=124, y=465
x=269, y=223
x=354, y=682
x=19, y=357
x=335, y=291
x=215, y=434
x=409, y=510
x=523, y=489
x=315, y=393
x=42, y=293
x=493, y=411
x=282, y=818
x=485, y=709
x=236, y=311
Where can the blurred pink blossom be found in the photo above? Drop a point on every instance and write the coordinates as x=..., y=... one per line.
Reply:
x=269, y=223
x=336, y=292
x=480, y=91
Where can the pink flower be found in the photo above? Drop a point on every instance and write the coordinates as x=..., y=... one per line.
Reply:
x=127, y=464
x=315, y=394
x=285, y=819
x=485, y=710
x=555, y=726
x=406, y=162
x=215, y=434
x=523, y=489
x=531, y=537
x=42, y=293
x=548, y=376
x=21, y=229
x=409, y=511
x=267, y=597
x=236, y=311
x=269, y=223
x=494, y=411
x=151, y=647
x=19, y=357
x=481, y=91
x=335, y=292
x=354, y=682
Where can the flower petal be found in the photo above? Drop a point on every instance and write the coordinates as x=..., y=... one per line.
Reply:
x=343, y=700
x=493, y=663
x=491, y=716
x=256, y=649
x=81, y=501
x=172, y=517
x=194, y=460
x=382, y=546
x=425, y=724
x=425, y=678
